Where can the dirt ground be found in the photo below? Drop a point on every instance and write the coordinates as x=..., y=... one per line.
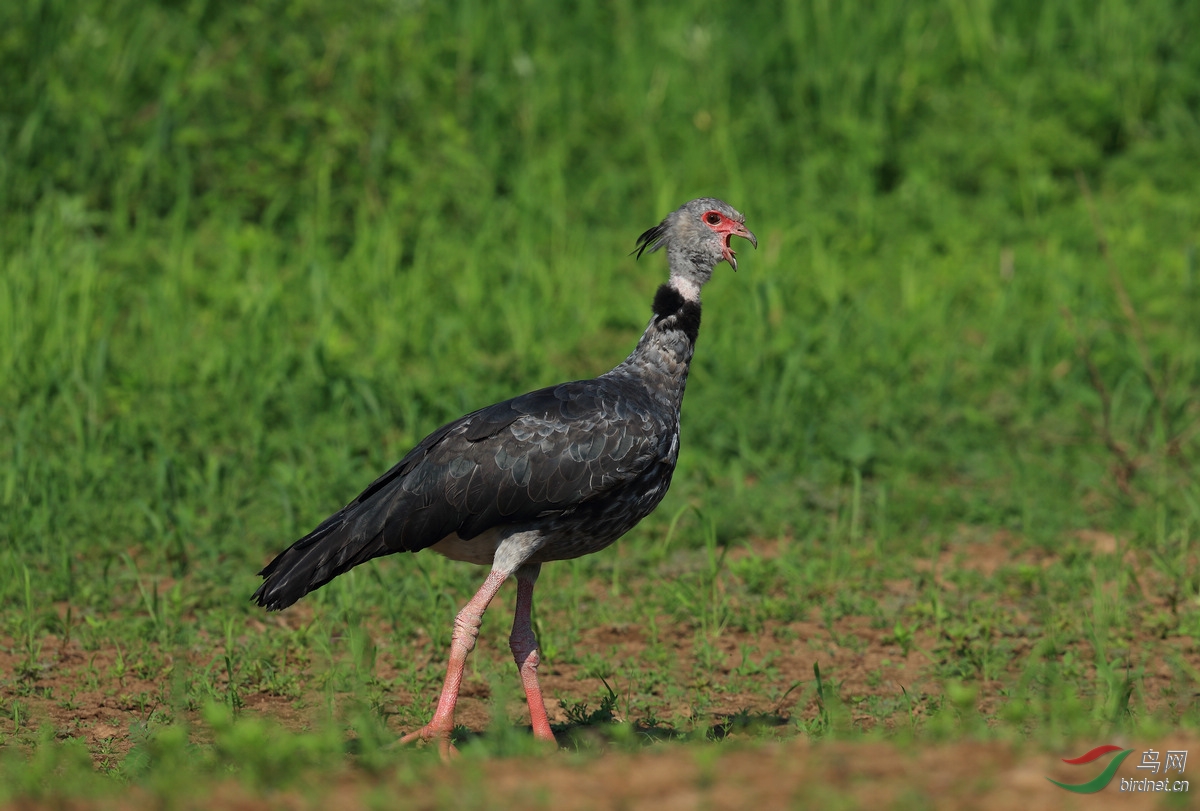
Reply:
x=78, y=693
x=795, y=774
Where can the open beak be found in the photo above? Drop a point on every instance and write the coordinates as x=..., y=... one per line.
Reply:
x=738, y=230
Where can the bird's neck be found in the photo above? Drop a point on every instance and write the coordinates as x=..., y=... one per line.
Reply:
x=677, y=310
x=686, y=287
x=664, y=352
x=689, y=273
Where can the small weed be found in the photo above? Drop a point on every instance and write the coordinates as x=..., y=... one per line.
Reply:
x=823, y=723
x=902, y=635
x=232, y=696
x=580, y=714
x=117, y=670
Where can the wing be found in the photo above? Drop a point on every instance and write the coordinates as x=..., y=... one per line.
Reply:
x=544, y=453
x=541, y=453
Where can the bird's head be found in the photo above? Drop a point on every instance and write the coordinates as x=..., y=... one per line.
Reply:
x=697, y=237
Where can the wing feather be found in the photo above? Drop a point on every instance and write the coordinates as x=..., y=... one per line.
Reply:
x=544, y=452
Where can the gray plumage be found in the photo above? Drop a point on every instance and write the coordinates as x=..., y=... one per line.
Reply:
x=550, y=475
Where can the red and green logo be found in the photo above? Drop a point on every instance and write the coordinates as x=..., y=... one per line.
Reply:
x=1101, y=780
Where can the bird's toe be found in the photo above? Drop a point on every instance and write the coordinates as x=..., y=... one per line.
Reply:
x=431, y=733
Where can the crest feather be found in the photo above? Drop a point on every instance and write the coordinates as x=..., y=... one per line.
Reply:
x=652, y=239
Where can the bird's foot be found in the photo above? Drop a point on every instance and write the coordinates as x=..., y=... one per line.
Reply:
x=543, y=733
x=432, y=733
x=546, y=743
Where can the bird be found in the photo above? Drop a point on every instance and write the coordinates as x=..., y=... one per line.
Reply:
x=551, y=475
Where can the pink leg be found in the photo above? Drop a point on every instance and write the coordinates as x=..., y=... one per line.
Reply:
x=525, y=651
x=466, y=631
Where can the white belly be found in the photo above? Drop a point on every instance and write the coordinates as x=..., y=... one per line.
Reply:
x=500, y=547
x=480, y=550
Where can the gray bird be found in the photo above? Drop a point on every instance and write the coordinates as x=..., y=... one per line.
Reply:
x=551, y=475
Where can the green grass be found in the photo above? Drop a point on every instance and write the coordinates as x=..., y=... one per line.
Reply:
x=250, y=254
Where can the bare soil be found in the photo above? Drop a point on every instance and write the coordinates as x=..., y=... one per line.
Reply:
x=795, y=774
x=97, y=694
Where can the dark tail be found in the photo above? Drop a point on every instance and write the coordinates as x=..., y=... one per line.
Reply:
x=337, y=545
x=393, y=514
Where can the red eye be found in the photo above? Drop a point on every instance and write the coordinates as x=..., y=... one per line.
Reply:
x=712, y=218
